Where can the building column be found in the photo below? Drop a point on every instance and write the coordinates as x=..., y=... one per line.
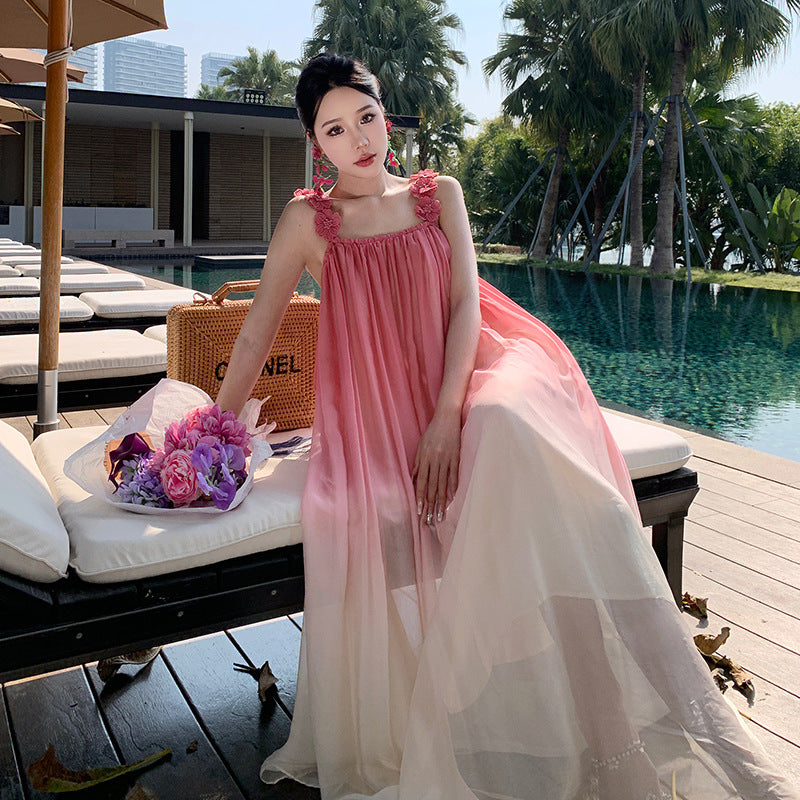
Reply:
x=309, y=164
x=409, y=150
x=154, y=149
x=266, y=233
x=28, y=181
x=188, y=169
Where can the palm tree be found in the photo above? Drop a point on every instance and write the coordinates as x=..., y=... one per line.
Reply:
x=629, y=54
x=744, y=33
x=265, y=71
x=405, y=44
x=556, y=82
x=217, y=92
x=441, y=135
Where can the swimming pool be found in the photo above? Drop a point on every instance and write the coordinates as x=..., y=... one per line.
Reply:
x=722, y=359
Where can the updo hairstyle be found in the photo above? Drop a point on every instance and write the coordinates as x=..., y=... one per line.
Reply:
x=328, y=71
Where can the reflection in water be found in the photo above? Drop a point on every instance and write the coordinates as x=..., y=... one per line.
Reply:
x=722, y=358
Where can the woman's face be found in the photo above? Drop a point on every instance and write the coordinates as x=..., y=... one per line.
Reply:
x=351, y=130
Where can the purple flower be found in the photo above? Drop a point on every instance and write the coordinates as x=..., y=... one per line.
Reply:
x=220, y=471
x=131, y=445
x=140, y=485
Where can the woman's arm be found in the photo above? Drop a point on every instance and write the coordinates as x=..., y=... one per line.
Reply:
x=283, y=266
x=436, y=463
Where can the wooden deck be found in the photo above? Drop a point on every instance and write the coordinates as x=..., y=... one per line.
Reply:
x=742, y=551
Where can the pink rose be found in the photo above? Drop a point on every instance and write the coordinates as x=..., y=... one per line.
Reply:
x=428, y=209
x=179, y=478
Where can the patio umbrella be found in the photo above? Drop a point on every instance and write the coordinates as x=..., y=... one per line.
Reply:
x=60, y=26
x=20, y=65
x=7, y=130
x=14, y=112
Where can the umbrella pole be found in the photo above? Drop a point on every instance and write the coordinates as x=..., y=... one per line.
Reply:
x=52, y=200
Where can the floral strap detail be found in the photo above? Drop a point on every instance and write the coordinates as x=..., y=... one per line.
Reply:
x=326, y=221
x=423, y=187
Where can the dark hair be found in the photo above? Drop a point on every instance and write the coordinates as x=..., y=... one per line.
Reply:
x=328, y=71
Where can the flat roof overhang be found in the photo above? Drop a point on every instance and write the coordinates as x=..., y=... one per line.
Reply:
x=124, y=110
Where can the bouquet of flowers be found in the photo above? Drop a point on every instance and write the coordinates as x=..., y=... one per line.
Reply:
x=150, y=462
x=201, y=462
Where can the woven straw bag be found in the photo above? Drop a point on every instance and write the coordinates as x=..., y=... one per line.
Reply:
x=200, y=339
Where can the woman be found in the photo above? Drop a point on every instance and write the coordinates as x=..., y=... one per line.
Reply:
x=484, y=616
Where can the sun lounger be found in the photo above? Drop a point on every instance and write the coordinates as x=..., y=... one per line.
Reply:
x=141, y=303
x=120, y=238
x=34, y=270
x=18, y=287
x=16, y=311
x=114, y=281
x=33, y=258
x=11, y=250
x=96, y=581
x=157, y=332
x=110, y=367
x=9, y=272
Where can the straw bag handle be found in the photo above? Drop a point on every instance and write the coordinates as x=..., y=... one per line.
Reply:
x=233, y=286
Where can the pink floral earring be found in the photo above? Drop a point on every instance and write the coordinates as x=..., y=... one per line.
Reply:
x=320, y=180
x=391, y=156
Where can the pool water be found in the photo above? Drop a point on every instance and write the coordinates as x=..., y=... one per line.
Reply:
x=723, y=360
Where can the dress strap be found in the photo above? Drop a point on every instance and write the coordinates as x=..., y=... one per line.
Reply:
x=423, y=187
x=326, y=221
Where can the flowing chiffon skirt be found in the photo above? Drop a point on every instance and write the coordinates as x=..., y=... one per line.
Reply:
x=496, y=653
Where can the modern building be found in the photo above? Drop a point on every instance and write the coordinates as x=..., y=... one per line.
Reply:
x=211, y=64
x=142, y=66
x=88, y=58
x=209, y=170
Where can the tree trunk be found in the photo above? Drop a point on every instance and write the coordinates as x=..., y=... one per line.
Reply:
x=637, y=227
x=551, y=199
x=599, y=195
x=663, y=261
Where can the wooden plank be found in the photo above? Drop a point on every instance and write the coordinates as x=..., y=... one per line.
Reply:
x=748, y=479
x=785, y=508
x=226, y=702
x=110, y=415
x=83, y=419
x=736, y=490
x=740, y=578
x=59, y=708
x=22, y=425
x=766, y=465
x=146, y=713
x=756, y=516
x=10, y=778
x=753, y=535
x=278, y=642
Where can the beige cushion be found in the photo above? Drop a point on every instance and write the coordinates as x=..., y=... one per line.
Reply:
x=141, y=303
x=14, y=310
x=34, y=269
x=34, y=258
x=9, y=272
x=75, y=284
x=17, y=287
x=12, y=250
x=108, y=544
x=33, y=540
x=648, y=449
x=157, y=332
x=83, y=355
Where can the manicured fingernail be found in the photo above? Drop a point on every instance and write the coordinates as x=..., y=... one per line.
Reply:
x=419, y=506
x=440, y=515
x=429, y=518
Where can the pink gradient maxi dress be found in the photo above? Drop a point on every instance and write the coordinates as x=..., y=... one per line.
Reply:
x=494, y=654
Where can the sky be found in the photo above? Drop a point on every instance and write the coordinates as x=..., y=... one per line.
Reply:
x=201, y=26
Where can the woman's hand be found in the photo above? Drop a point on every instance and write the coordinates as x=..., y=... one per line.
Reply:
x=435, y=472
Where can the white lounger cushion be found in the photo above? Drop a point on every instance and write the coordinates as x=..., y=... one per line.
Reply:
x=142, y=303
x=83, y=355
x=15, y=310
x=648, y=449
x=33, y=258
x=108, y=545
x=18, y=287
x=17, y=250
x=157, y=332
x=33, y=540
x=9, y=272
x=76, y=284
x=34, y=269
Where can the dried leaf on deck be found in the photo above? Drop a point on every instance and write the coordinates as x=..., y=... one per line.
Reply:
x=48, y=774
x=741, y=678
x=695, y=605
x=709, y=643
x=719, y=678
x=191, y=747
x=138, y=792
x=264, y=675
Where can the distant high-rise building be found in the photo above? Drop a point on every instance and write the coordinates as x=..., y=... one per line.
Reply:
x=211, y=64
x=88, y=58
x=144, y=67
